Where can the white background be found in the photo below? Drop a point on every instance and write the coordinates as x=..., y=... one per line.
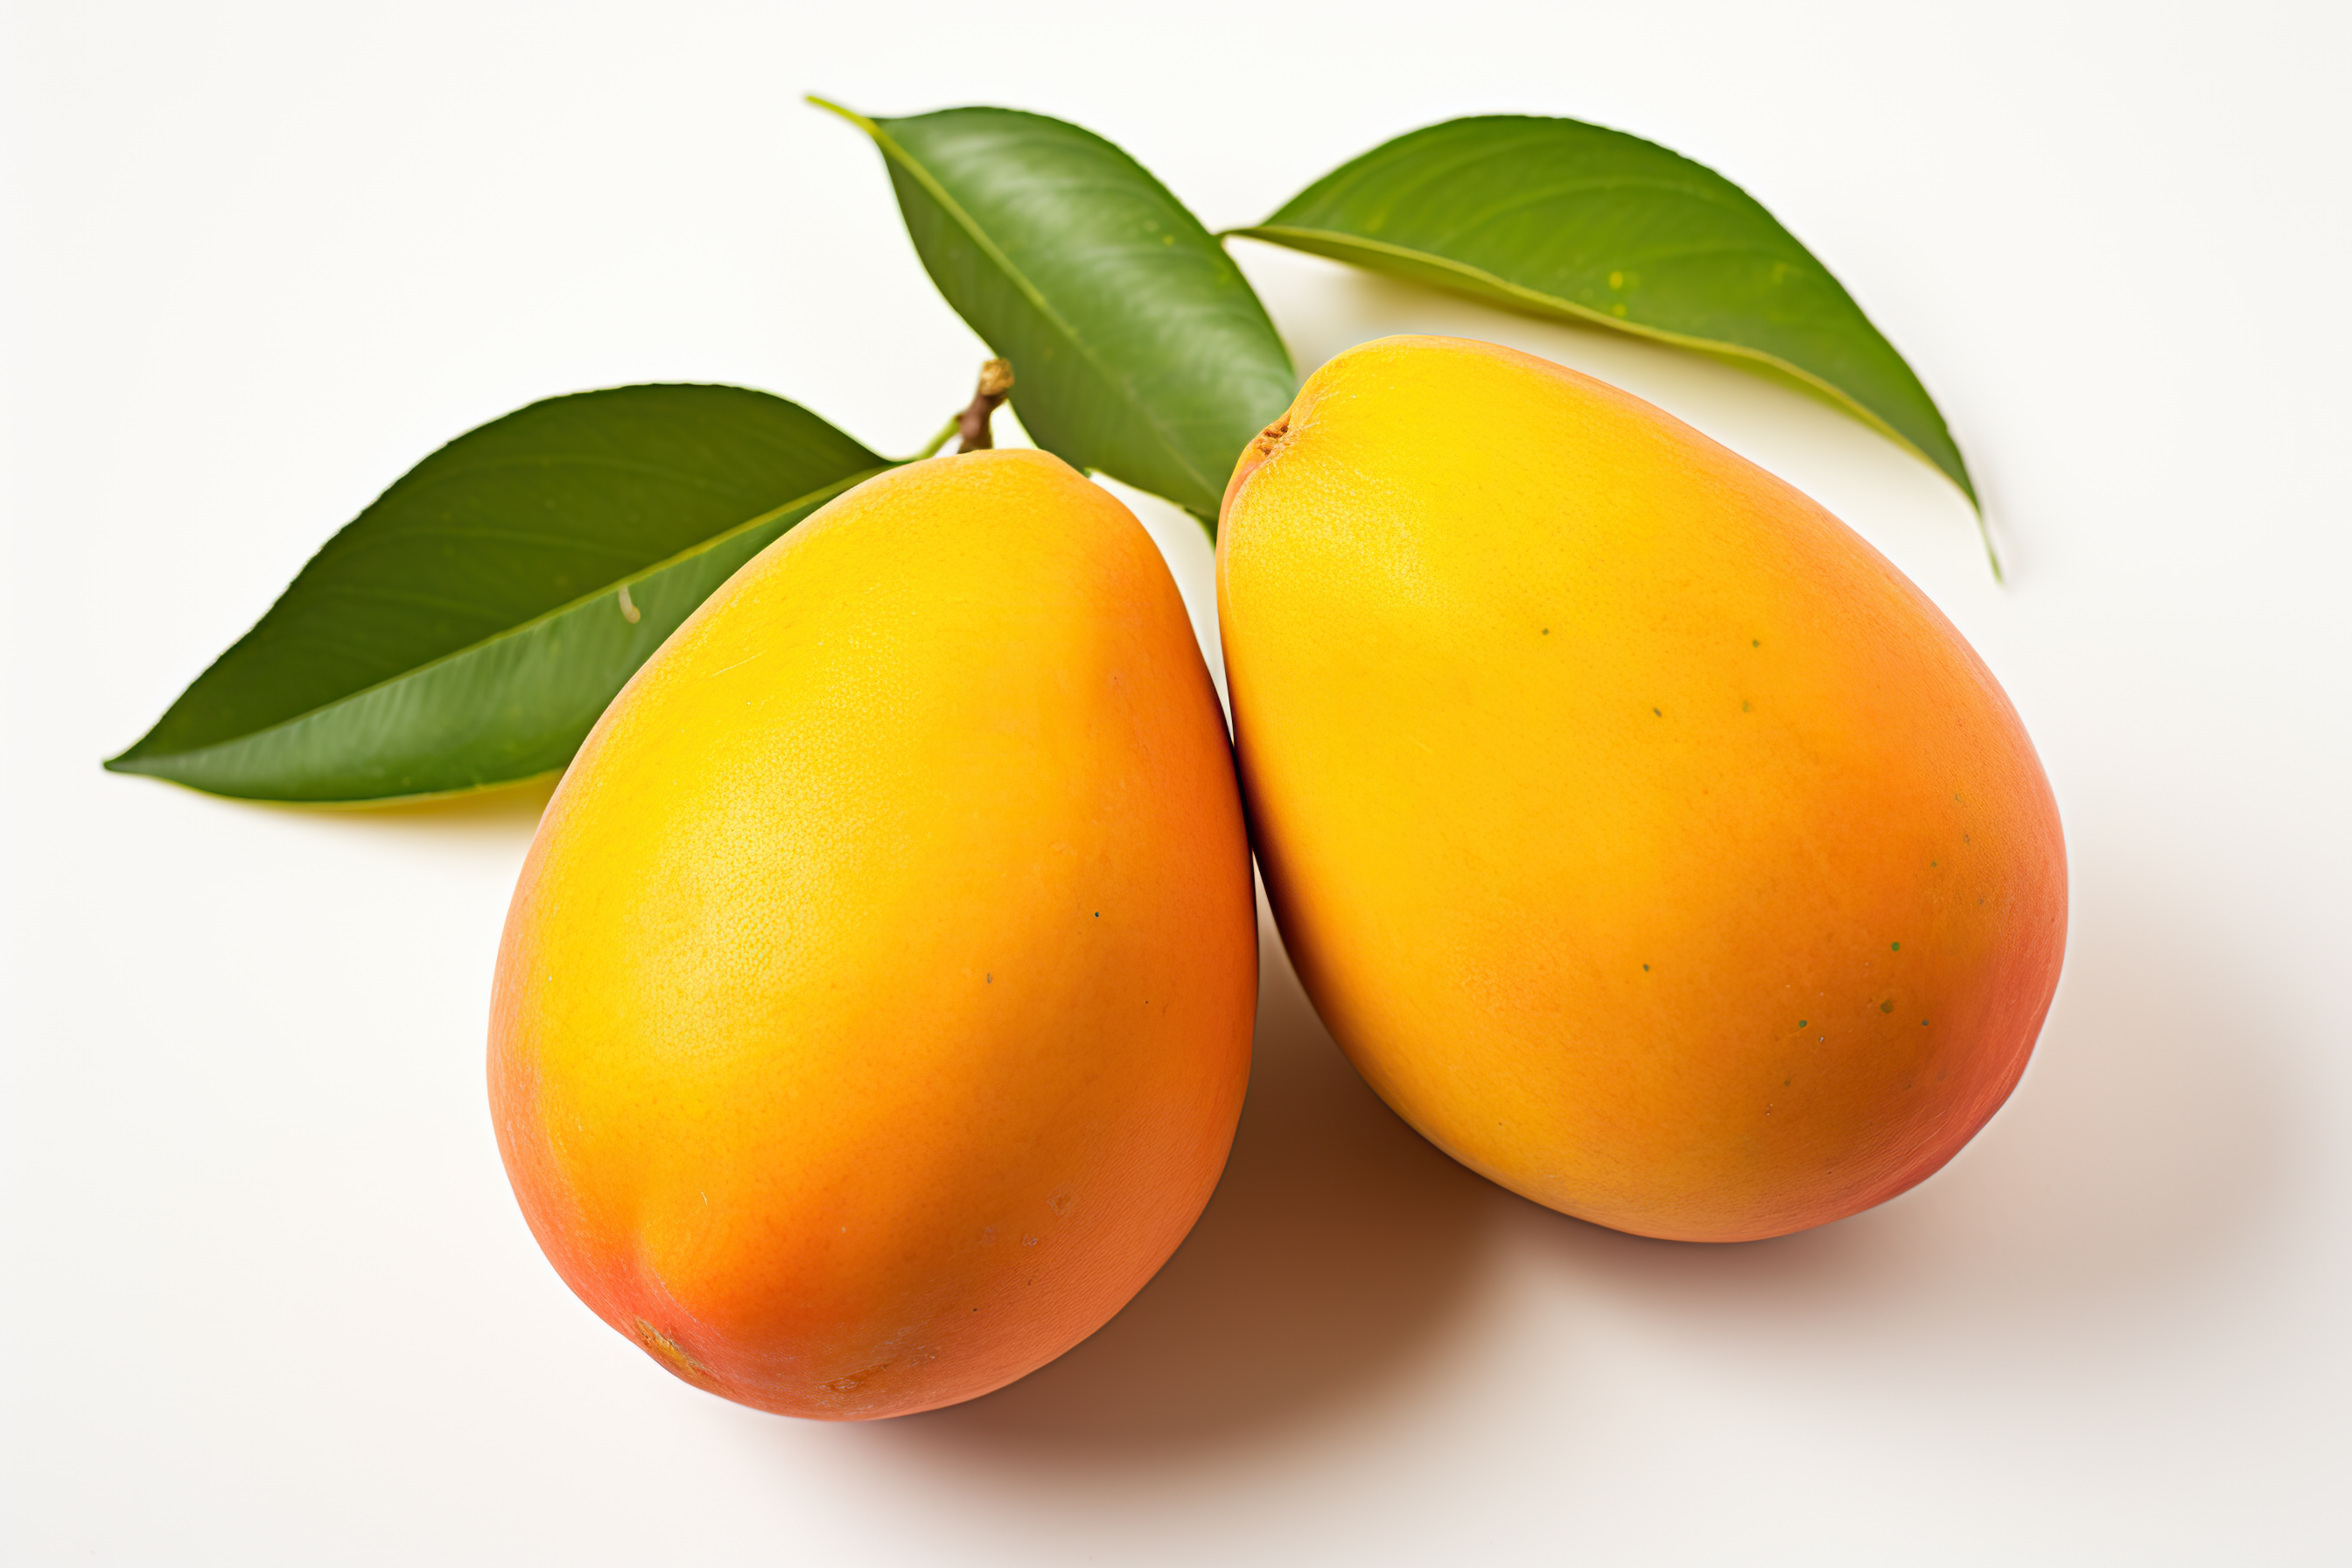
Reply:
x=268, y=1298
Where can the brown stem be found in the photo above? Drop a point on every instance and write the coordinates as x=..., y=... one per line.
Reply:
x=971, y=425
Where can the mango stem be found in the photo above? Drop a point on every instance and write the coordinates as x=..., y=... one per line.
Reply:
x=972, y=423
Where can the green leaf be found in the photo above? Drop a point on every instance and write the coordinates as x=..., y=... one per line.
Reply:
x=1561, y=218
x=1137, y=347
x=468, y=629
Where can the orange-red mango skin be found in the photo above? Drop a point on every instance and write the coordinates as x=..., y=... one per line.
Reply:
x=1646, y=838
x=874, y=1009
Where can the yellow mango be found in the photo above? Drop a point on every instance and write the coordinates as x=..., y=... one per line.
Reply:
x=873, y=1013
x=1644, y=837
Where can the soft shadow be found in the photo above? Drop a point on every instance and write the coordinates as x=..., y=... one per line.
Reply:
x=1338, y=1242
x=506, y=812
x=2134, y=1163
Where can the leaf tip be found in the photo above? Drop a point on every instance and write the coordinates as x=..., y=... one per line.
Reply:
x=1993, y=556
x=849, y=114
x=131, y=763
x=1956, y=470
x=132, y=759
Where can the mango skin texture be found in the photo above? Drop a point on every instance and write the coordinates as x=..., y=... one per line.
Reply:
x=874, y=1009
x=1647, y=840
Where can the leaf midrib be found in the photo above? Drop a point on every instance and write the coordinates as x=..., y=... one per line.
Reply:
x=518, y=629
x=954, y=210
x=1639, y=329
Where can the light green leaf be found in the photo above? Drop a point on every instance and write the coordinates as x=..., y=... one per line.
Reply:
x=1565, y=219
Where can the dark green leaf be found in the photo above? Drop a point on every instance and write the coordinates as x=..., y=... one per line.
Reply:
x=1138, y=348
x=1562, y=218
x=469, y=628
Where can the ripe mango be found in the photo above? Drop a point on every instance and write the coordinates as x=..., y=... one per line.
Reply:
x=873, y=1013
x=1644, y=837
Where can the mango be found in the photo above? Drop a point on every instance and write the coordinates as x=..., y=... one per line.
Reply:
x=873, y=1012
x=1647, y=841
